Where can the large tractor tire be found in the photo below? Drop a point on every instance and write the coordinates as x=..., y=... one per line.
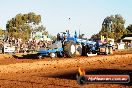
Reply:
x=78, y=49
x=69, y=49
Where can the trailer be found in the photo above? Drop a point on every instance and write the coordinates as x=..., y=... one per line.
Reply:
x=58, y=49
x=51, y=52
x=105, y=49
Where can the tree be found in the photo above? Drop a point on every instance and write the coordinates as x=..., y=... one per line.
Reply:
x=40, y=28
x=81, y=36
x=112, y=27
x=54, y=38
x=1, y=32
x=22, y=24
x=129, y=28
x=95, y=36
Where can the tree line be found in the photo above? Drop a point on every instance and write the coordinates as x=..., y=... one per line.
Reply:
x=22, y=25
x=113, y=27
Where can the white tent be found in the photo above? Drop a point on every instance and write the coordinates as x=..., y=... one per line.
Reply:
x=127, y=38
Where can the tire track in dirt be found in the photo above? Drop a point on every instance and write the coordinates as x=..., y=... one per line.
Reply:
x=42, y=74
x=59, y=65
x=49, y=82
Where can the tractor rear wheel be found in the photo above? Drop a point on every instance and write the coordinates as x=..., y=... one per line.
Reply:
x=69, y=49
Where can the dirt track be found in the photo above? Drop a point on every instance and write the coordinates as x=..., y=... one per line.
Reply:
x=21, y=73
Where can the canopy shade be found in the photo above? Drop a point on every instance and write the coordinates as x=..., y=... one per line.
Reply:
x=127, y=38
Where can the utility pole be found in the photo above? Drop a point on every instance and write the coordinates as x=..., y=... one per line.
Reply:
x=69, y=23
x=79, y=29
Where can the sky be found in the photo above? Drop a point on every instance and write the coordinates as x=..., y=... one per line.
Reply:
x=85, y=15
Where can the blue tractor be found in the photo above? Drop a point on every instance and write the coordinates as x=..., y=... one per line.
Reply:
x=66, y=46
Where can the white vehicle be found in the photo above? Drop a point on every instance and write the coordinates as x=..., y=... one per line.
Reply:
x=9, y=49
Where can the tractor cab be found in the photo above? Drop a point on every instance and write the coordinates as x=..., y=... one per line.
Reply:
x=65, y=36
x=61, y=36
